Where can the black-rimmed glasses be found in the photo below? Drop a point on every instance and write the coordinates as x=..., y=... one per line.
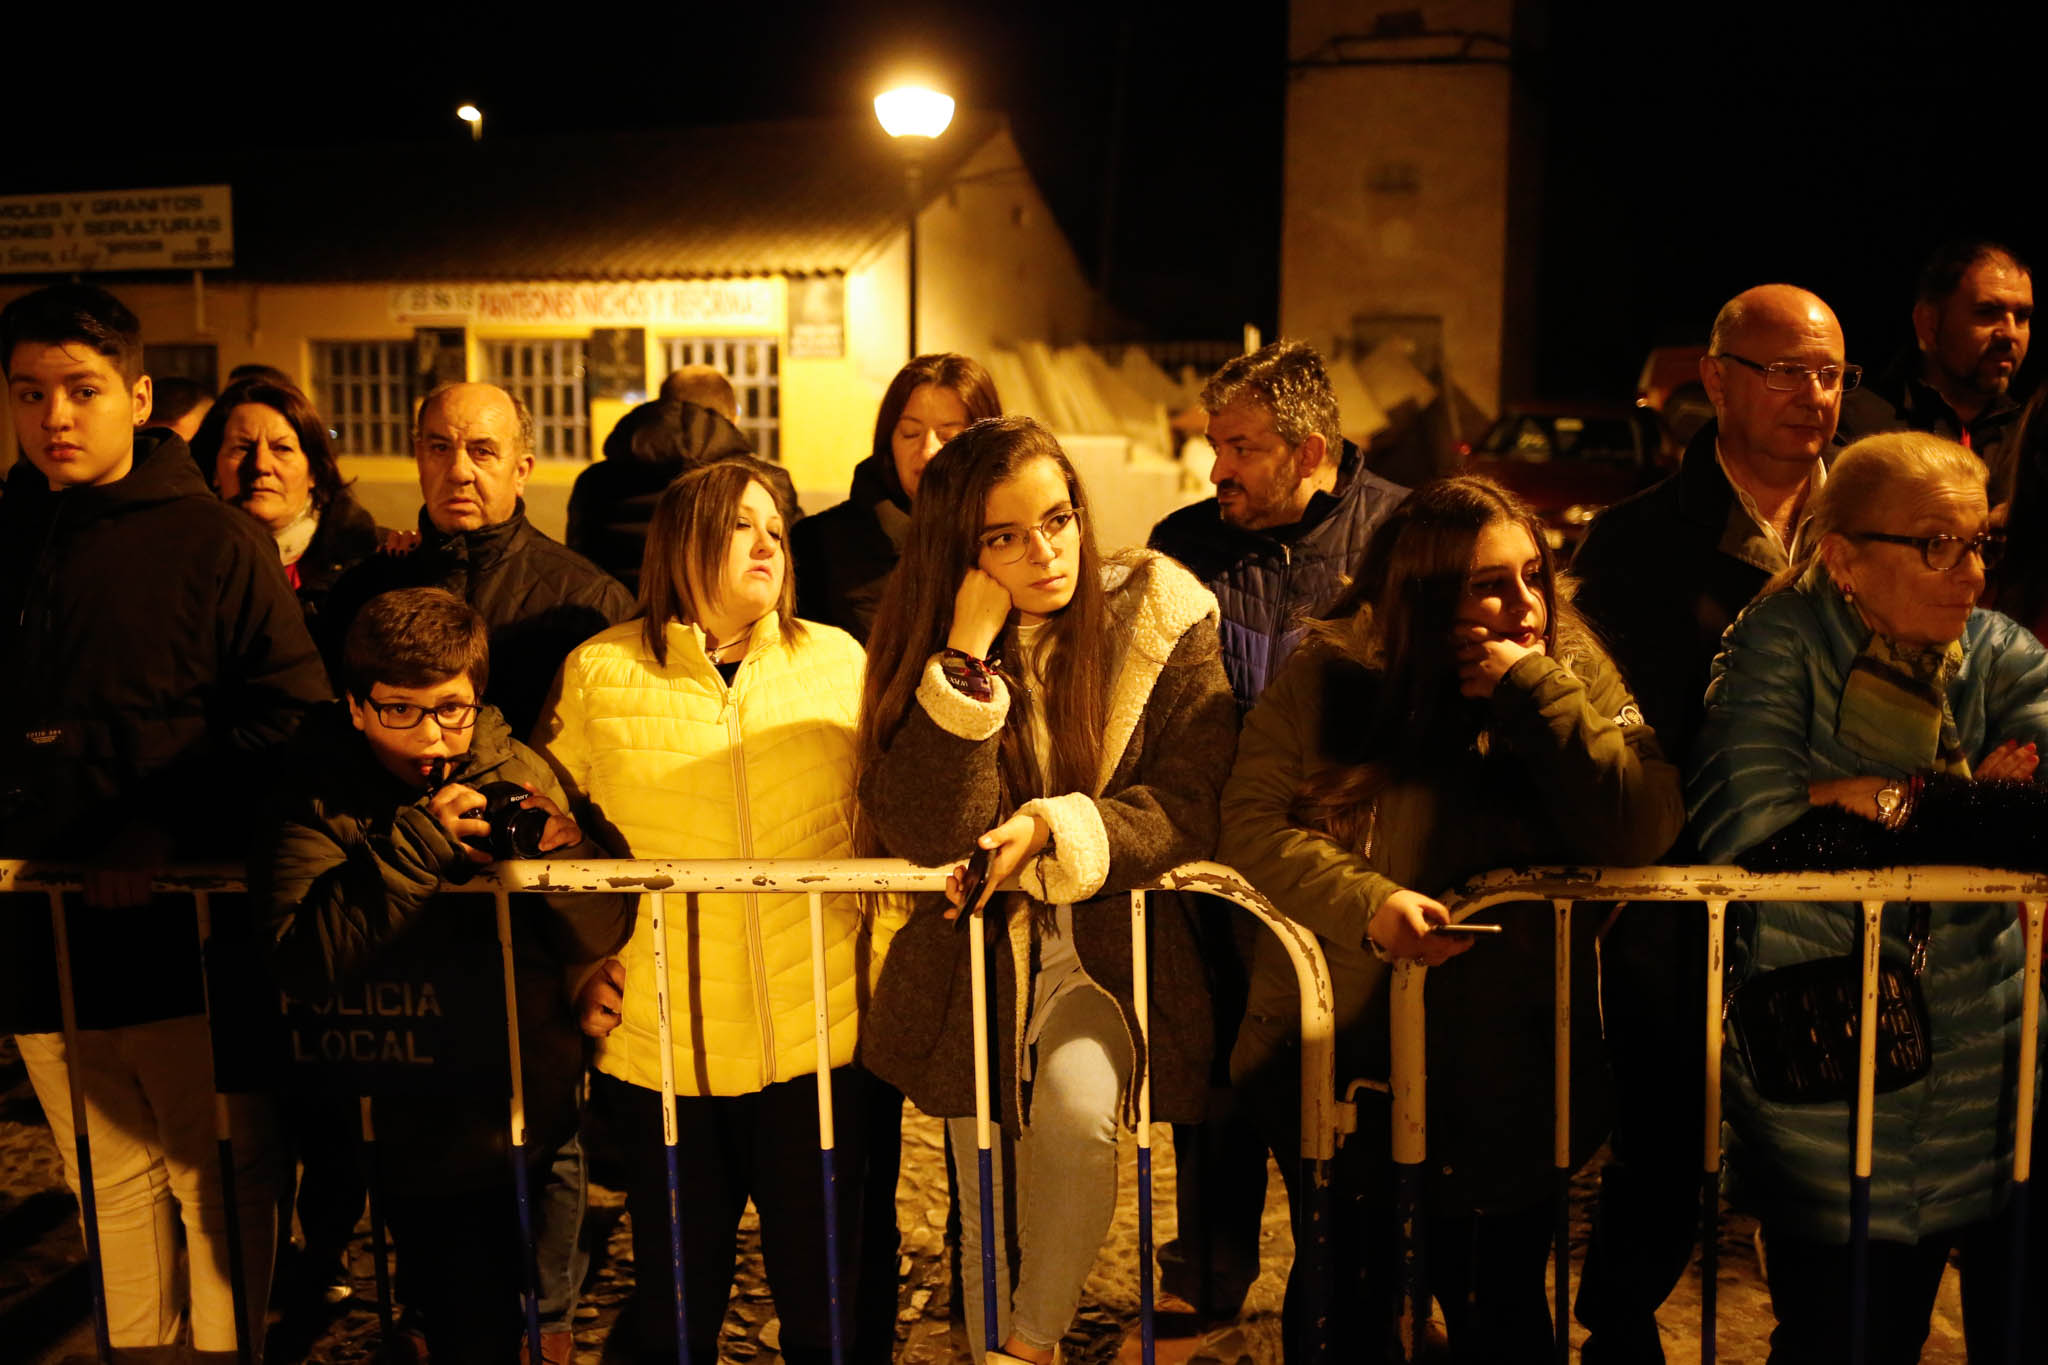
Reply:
x=405, y=715
x=1944, y=553
x=1010, y=545
x=1788, y=376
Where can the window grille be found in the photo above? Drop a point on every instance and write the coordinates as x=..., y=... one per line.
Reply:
x=547, y=375
x=753, y=364
x=365, y=390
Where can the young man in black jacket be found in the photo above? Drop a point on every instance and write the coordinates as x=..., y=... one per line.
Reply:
x=152, y=657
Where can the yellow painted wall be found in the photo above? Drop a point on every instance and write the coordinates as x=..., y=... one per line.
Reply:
x=994, y=268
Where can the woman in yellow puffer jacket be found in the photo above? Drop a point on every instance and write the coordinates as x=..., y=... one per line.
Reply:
x=718, y=726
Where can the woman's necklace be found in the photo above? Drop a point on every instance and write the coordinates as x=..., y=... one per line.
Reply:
x=718, y=652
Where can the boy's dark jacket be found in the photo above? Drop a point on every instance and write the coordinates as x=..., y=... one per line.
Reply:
x=152, y=658
x=353, y=876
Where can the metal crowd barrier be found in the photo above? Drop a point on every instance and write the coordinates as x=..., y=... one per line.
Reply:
x=1320, y=1121
x=1716, y=886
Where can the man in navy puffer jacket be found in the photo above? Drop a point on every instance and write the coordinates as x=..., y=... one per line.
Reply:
x=1279, y=542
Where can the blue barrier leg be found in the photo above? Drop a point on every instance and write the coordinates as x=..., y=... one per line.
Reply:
x=1314, y=1184
x=828, y=1165
x=237, y=1257
x=1710, y=1149
x=664, y=1031
x=1141, y=1000
x=380, y=1251
x=1561, y=1125
x=1865, y=1113
x=224, y=1147
x=1414, y=1275
x=528, y=1252
x=2016, y=1283
x=977, y=958
x=88, y=1202
x=2031, y=933
x=1710, y=1261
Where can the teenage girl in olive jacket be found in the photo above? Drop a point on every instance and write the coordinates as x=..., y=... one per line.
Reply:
x=1454, y=717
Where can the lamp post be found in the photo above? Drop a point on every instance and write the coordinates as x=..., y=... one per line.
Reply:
x=474, y=117
x=914, y=116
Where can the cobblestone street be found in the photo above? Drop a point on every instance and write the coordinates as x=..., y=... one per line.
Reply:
x=43, y=1292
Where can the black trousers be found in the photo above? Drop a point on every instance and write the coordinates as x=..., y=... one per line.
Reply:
x=1219, y=1164
x=1486, y=1271
x=762, y=1146
x=1653, y=1000
x=881, y=1241
x=459, y=1256
x=1809, y=1284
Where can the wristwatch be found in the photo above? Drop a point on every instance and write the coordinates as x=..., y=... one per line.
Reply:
x=1891, y=804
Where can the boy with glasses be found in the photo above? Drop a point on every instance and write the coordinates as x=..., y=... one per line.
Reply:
x=383, y=818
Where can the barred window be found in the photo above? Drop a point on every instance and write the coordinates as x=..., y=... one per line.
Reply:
x=547, y=375
x=753, y=364
x=365, y=390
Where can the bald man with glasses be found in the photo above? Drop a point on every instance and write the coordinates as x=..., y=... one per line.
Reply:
x=1662, y=575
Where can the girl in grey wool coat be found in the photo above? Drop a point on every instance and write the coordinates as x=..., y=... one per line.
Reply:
x=1070, y=716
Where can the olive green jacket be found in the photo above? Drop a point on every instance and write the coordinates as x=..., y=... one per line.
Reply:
x=1572, y=775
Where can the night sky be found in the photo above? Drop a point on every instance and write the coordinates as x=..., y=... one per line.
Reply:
x=1689, y=151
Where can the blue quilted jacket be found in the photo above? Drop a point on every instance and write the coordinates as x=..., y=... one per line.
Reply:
x=1943, y=1148
x=1268, y=582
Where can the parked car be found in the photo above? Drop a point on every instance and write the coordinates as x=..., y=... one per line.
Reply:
x=1568, y=461
x=1670, y=388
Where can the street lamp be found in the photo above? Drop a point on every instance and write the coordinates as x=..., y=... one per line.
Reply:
x=474, y=117
x=914, y=116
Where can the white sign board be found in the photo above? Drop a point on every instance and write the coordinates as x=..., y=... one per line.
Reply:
x=659, y=303
x=189, y=227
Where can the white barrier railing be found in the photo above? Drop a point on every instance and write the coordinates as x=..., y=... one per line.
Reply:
x=1717, y=887
x=1320, y=1112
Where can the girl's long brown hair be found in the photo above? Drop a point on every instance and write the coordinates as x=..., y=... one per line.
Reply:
x=1396, y=623
x=916, y=612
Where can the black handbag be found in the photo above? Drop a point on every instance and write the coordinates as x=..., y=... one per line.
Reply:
x=1796, y=1026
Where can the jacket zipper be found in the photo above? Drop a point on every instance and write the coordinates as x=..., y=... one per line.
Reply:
x=756, y=951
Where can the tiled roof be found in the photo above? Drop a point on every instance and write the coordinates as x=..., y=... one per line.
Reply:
x=804, y=196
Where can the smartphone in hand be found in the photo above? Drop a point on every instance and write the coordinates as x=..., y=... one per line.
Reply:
x=972, y=880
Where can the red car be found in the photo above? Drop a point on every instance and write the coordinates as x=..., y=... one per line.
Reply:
x=1568, y=461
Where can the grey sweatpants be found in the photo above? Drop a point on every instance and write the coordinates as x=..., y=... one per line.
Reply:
x=1083, y=1065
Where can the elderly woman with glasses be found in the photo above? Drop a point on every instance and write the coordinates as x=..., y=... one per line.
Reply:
x=1864, y=712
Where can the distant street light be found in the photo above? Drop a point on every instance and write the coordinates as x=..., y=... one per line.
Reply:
x=914, y=116
x=474, y=117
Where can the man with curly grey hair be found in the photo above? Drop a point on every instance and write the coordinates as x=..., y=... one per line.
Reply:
x=1294, y=507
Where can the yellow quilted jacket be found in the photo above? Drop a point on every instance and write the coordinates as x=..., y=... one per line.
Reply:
x=673, y=763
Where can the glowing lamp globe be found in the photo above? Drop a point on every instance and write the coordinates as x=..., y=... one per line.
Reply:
x=913, y=111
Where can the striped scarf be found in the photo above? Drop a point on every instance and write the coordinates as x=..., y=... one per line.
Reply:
x=1894, y=706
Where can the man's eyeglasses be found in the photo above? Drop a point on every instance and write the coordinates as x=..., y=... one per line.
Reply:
x=1787, y=377
x=1944, y=553
x=1009, y=546
x=405, y=715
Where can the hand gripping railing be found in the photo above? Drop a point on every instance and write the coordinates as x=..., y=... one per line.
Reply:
x=660, y=879
x=1716, y=886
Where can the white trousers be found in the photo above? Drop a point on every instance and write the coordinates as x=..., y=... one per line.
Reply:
x=149, y=1108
